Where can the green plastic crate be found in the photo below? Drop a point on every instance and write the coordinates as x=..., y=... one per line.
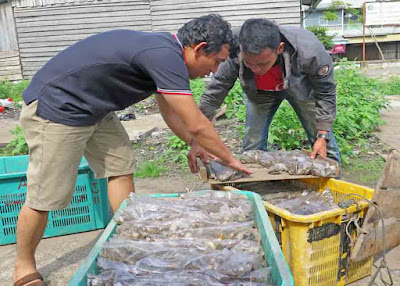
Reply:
x=88, y=210
x=281, y=274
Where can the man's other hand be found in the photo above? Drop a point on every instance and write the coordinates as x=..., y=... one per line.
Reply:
x=319, y=148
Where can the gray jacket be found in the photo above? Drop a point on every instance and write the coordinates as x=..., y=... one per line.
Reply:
x=307, y=71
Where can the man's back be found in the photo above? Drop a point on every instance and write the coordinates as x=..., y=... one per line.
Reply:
x=97, y=75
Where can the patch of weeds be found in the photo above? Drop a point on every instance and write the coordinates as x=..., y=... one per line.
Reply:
x=364, y=170
x=17, y=146
x=13, y=90
x=151, y=169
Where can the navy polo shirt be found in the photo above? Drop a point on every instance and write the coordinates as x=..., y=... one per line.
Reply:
x=107, y=72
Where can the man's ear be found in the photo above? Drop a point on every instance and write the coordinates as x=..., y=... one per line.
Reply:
x=281, y=48
x=199, y=47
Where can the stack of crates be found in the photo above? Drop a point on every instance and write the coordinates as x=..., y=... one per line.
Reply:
x=88, y=210
x=317, y=247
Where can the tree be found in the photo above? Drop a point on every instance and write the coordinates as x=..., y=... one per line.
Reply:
x=331, y=15
x=321, y=34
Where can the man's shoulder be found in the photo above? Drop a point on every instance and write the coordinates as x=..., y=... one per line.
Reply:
x=304, y=42
x=298, y=37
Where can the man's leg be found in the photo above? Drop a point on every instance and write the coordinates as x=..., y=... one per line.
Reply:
x=30, y=228
x=55, y=151
x=305, y=110
x=258, y=119
x=110, y=155
x=119, y=188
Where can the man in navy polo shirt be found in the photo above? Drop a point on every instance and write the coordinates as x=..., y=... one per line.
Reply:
x=69, y=112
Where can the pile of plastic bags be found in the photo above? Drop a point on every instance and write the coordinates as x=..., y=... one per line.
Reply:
x=294, y=162
x=296, y=199
x=206, y=238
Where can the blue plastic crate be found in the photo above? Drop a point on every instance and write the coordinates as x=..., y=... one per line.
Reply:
x=281, y=275
x=88, y=210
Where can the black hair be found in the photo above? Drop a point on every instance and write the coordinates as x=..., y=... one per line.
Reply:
x=257, y=35
x=211, y=29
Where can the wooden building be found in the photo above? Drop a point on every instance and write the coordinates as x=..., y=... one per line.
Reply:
x=33, y=31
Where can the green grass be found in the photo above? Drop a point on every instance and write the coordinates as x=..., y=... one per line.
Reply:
x=363, y=170
x=150, y=169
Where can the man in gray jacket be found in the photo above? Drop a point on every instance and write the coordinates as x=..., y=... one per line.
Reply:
x=277, y=63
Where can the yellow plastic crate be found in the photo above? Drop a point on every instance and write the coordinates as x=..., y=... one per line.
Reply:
x=316, y=246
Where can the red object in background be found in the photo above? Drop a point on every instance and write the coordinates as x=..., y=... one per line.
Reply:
x=339, y=49
x=1, y=109
x=10, y=99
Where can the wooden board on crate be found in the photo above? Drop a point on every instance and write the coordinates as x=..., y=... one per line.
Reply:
x=260, y=173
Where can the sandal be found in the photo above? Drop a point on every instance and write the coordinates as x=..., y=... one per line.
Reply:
x=29, y=278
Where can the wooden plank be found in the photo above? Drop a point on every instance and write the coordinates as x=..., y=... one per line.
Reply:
x=32, y=55
x=66, y=22
x=144, y=14
x=8, y=54
x=9, y=63
x=45, y=49
x=49, y=3
x=220, y=2
x=11, y=77
x=261, y=174
x=48, y=44
x=267, y=13
x=162, y=21
x=8, y=36
x=137, y=25
x=373, y=241
x=391, y=172
x=27, y=74
x=385, y=200
x=9, y=72
x=87, y=32
x=175, y=27
x=33, y=66
x=36, y=59
x=52, y=39
x=218, y=6
x=7, y=69
x=61, y=10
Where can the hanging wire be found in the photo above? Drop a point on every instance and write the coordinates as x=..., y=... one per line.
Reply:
x=383, y=265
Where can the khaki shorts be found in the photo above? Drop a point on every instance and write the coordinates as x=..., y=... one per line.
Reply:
x=55, y=152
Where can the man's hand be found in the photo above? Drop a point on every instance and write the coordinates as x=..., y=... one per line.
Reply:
x=319, y=147
x=197, y=151
x=237, y=165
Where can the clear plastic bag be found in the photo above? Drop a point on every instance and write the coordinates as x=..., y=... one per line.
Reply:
x=243, y=230
x=323, y=168
x=105, y=278
x=238, y=263
x=309, y=202
x=196, y=239
x=222, y=173
x=251, y=157
x=262, y=275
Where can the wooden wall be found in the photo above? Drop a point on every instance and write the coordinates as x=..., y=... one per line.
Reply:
x=45, y=27
x=45, y=31
x=10, y=67
x=169, y=15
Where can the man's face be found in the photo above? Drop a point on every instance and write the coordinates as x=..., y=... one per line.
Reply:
x=201, y=64
x=263, y=62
